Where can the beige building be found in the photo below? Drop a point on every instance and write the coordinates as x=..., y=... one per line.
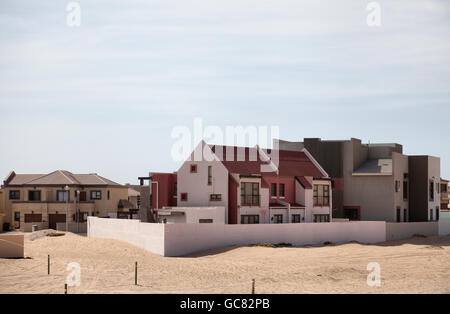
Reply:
x=2, y=210
x=44, y=199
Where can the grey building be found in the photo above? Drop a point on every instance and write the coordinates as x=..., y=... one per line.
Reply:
x=376, y=181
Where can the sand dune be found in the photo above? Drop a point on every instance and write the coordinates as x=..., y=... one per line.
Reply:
x=107, y=266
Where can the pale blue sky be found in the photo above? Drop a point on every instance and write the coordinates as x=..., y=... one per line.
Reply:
x=105, y=96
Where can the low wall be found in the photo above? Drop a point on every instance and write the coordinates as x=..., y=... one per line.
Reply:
x=149, y=236
x=444, y=216
x=181, y=239
x=444, y=227
x=11, y=246
x=399, y=231
x=61, y=226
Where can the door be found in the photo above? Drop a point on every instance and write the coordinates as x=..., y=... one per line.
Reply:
x=17, y=220
x=82, y=196
x=53, y=219
x=352, y=213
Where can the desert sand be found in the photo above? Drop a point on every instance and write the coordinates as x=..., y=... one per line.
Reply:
x=418, y=265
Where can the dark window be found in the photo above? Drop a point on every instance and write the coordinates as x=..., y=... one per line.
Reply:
x=108, y=195
x=33, y=218
x=96, y=195
x=175, y=189
x=321, y=195
x=184, y=197
x=431, y=191
x=397, y=185
x=193, y=168
x=249, y=193
x=296, y=219
x=321, y=218
x=405, y=190
x=249, y=219
x=405, y=215
x=34, y=196
x=438, y=190
x=277, y=219
x=62, y=196
x=205, y=221
x=399, y=214
x=437, y=212
x=16, y=216
x=215, y=197
x=209, y=175
x=14, y=195
x=281, y=189
x=273, y=190
x=351, y=213
x=431, y=214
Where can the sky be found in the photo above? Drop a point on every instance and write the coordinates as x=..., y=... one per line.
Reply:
x=105, y=97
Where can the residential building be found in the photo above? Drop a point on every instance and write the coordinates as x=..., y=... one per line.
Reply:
x=445, y=189
x=297, y=190
x=42, y=199
x=2, y=210
x=376, y=181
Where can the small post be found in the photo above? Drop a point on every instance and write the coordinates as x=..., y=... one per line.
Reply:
x=48, y=266
x=65, y=288
x=135, y=274
x=253, y=286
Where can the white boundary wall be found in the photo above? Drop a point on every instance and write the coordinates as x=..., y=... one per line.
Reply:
x=145, y=235
x=444, y=227
x=181, y=239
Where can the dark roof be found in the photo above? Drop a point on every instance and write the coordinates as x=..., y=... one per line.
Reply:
x=248, y=160
x=125, y=204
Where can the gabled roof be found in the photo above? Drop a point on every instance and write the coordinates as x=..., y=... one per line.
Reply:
x=59, y=177
x=248, y=160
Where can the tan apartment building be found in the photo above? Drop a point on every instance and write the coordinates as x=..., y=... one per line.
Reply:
x=2, y=210
x=445, y=202
x=44, y=199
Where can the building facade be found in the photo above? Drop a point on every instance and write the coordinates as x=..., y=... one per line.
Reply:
x=234, y=178
x=445, y=189
x=376, y=181
x=44, y=199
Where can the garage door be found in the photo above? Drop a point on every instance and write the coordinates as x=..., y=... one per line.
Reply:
x=53, y=219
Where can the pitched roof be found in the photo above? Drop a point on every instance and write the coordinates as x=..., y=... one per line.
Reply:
x=59, y=177
x=248, y=160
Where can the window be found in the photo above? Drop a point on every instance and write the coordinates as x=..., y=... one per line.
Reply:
x=399, y=215
x=34, y=196
x=438, y=190
x=193, y=168
x=62, y=196
x=249, y=219
x=405, y=215
x=437, y=212
x=431, y=191
x=33, y=218
x=175, y=189
x=184, y=197
x=215, y=197
x=321, y=195
x=277, y=219
x=14, y=195
x=205, y=221
x=209, y=175
x=281, y=189
x=250, y=193
x=397, y=186
x=321, y=218
x=296, y=219
x=108, y=195
x=352, y=214
x=431, y=214
x=273, y=190
x=405, y=190
x=96, y=195
x=16, y=216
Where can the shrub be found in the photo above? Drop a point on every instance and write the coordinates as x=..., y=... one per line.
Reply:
x=328, y=243
x=55, y=234
x=265, y=245
x=419, y=236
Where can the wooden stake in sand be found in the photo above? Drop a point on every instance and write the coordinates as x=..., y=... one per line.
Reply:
x=48, y=266
x=135, y=274
x=253, y=286
x=65, y=289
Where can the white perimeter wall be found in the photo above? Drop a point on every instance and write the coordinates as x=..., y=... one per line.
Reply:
x=148, y=236
x=444, y=227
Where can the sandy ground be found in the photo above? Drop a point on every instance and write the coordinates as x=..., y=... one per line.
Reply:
x=107, y=266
